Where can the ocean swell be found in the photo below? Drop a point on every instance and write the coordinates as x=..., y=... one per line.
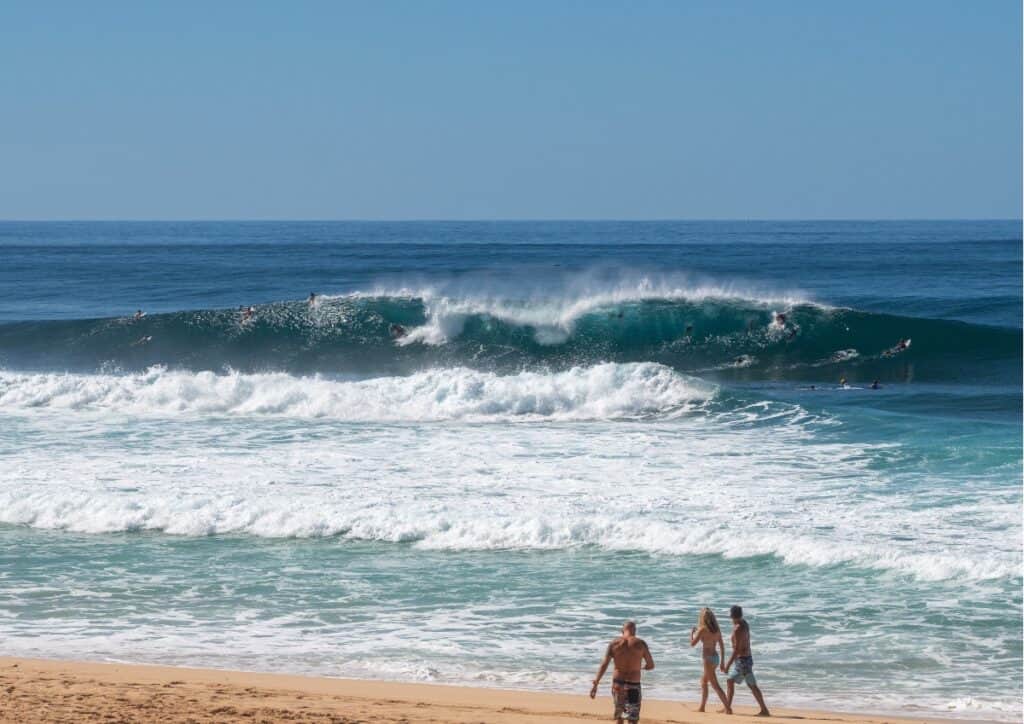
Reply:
x=406, y=330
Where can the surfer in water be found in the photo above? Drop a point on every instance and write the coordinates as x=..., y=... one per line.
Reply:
x=781, y=322
x=901, y=346
x=397, y=331
x=139, y=314
x=248, y=313
x=312, y=299
x=875, y=385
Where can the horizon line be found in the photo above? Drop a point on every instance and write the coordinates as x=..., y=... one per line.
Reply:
x=417, y=220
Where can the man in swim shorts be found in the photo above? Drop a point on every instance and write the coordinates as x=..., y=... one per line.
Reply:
x=631, y=657
x=743, y=659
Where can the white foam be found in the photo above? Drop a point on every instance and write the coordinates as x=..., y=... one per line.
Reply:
x=465, y=486
x=967, y=705
x=600, y=392
x=495, y=526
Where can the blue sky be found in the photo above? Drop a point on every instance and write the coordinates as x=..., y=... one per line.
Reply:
x=422, y=110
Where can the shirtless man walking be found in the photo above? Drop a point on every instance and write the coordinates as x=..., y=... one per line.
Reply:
x=743, y=659
x=631, y=656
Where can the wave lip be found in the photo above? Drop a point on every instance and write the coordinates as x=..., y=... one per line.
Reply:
x=603, y=391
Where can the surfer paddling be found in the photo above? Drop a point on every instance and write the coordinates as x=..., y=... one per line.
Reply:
x=901, y=346
x=632, y=658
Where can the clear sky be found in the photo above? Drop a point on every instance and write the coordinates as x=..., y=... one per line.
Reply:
x=430, y=109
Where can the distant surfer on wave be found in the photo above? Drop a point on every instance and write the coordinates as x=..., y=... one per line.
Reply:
x=139, y=314
x=901, y=346
x=247, y=313
x=781, y=322
x=397, y=331
x=312, y=299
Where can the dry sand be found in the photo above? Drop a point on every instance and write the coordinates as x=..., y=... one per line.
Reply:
x=33, y=690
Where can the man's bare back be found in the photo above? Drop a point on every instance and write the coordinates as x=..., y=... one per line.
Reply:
x=629, y=654
x=631, y=657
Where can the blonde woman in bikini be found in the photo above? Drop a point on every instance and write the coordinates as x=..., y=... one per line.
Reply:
x=709, y=635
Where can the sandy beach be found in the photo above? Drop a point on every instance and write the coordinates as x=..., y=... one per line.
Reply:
x=36, y=690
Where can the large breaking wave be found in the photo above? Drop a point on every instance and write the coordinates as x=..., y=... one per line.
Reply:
x=697, y=330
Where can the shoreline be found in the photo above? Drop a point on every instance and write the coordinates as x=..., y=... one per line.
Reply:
x=52, y=690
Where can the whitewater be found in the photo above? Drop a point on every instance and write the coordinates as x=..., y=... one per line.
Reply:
x=513, y=436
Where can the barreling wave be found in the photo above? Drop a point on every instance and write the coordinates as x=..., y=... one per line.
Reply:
x=608, y=391
x=381, y=333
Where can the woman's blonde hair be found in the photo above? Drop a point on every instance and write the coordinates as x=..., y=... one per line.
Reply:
x=706, y=620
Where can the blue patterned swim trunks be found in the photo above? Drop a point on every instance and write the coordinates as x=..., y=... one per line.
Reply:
x=743, y=670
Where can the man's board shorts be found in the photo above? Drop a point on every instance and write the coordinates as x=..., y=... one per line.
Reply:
x=627, y=699
x=743, y=670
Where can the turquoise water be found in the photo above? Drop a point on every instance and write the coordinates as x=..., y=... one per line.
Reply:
x=576, y=423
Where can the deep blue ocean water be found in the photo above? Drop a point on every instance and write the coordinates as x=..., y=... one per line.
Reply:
x=513, y=435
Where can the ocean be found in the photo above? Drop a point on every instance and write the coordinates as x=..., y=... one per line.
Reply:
x=486, y=444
